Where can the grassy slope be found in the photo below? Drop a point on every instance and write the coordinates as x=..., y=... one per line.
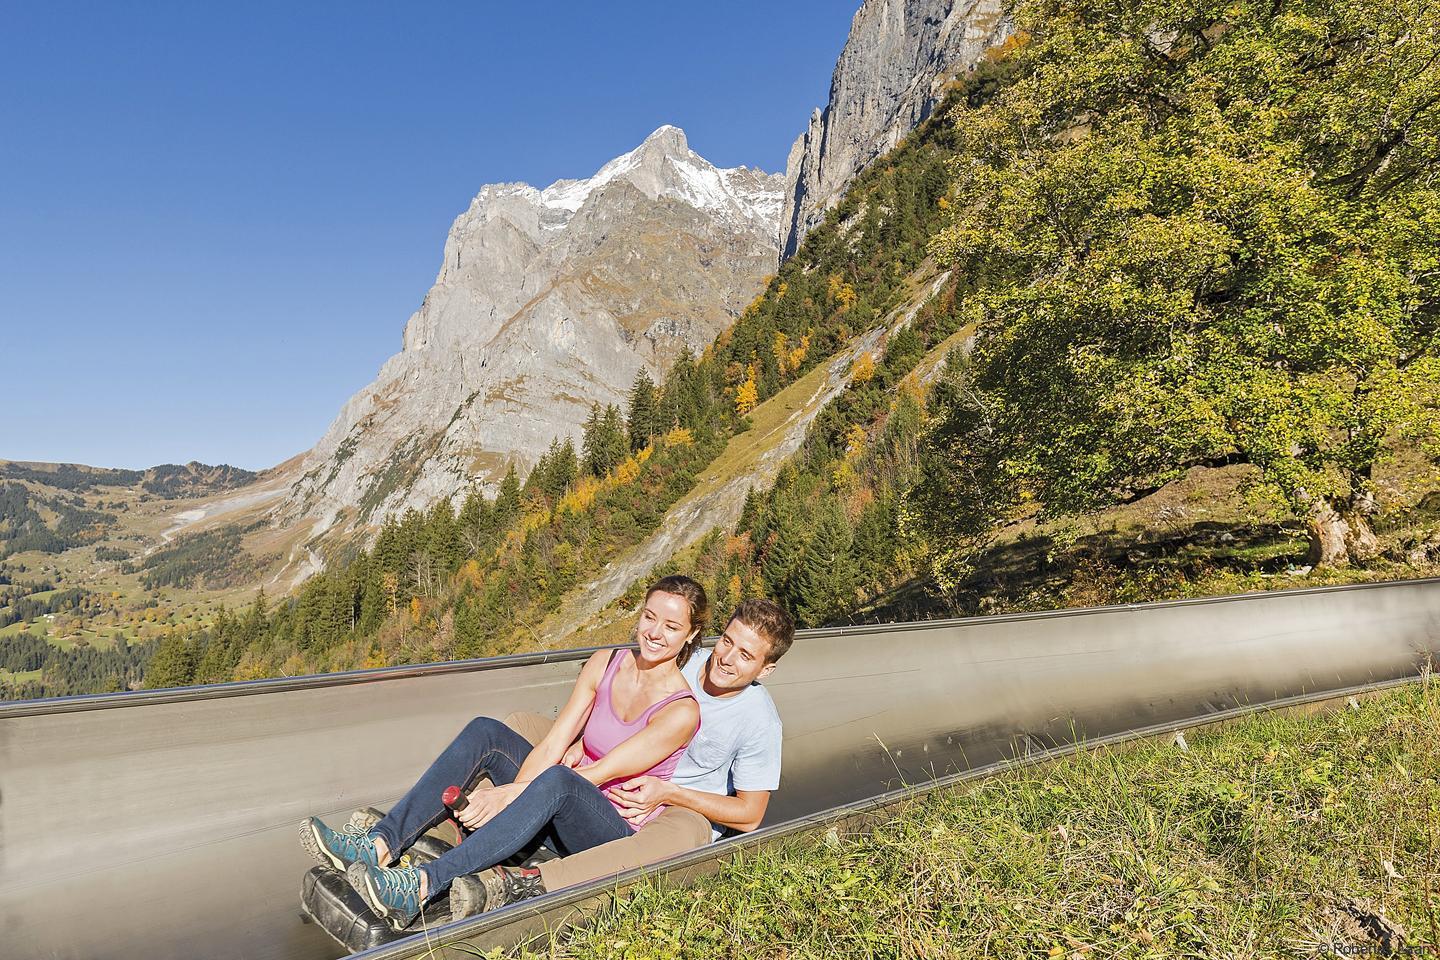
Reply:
x=1227, y=850
x=1207, y=534
x=741, y=457
x=141, y=523
x=750, y=460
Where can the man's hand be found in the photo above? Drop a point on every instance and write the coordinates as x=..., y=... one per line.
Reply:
x=639, y=796
x=485, y=803
x=574, y=755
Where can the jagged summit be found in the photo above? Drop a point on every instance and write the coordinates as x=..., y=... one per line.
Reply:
x=547, y=300
x=662, y=166
x=897, y=60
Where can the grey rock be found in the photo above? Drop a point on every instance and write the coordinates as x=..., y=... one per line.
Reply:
x=899, y=58
x=547, y=301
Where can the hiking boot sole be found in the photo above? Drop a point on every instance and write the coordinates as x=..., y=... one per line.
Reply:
x=475, y=893
x=315, y=846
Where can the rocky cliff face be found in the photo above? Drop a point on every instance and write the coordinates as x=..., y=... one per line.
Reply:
x=547, y=301
x=891, y=74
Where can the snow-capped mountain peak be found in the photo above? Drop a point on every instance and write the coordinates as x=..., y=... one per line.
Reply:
x=664, y=167
x=546, y=302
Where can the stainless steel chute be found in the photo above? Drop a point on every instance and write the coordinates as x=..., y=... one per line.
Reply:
x=162, y=824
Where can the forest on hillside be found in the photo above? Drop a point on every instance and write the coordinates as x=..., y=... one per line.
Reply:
x=1180, y=237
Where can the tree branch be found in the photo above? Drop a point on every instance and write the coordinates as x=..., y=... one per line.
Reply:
x=1228, y=460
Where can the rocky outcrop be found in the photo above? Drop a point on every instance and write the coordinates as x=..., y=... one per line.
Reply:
x=547, y=301
x=890, y=76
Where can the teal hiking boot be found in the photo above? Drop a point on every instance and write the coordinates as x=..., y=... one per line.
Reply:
x=337, y=848
x=393, y=894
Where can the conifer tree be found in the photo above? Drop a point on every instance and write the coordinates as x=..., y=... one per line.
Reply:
x=173, y=664
x=604, y=444
x=442, y=536
x=556, y=470
x=590, y=442
x=616, y=445
x=827, y=577
x=644, y=411
x=784, y=543
x=475, y=524
x=507, y=503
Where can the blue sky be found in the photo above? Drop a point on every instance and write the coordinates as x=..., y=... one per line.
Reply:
x=216, y=218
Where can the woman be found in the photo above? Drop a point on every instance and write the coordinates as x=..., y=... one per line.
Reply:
x=535, y=794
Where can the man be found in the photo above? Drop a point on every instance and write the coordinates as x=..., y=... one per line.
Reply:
x=723, y=781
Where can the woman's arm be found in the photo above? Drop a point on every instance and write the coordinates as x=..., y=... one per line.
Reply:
x=570, y=722
x=485, y=802
x=669, y=730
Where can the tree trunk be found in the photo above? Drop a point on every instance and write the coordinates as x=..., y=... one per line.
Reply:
x=1361, y=540
x=1338, y=537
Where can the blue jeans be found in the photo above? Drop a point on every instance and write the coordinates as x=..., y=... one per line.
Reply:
x=559, y=806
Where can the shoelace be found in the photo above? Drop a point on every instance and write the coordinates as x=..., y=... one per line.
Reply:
x=354, y=840
x=402, y=882
x=521, y=885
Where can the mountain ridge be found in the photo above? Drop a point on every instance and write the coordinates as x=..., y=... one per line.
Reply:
x=548, y=300
x=898, y=59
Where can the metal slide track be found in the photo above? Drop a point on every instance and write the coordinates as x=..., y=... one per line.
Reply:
x=163, y=824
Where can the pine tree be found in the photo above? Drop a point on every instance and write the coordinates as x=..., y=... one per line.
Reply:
x=475, y=525
x=443, y=537
x=591, y=445
x=644, y=411
x=616, y=444
x=507, y=503
x=604, y=444
x=173, y=664
x=784, y=544
x=556, y=470
x=827, y=578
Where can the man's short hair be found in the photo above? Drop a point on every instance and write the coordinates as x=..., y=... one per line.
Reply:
x=769, y=620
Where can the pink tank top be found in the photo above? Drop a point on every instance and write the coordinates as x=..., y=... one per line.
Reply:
x=604, y=731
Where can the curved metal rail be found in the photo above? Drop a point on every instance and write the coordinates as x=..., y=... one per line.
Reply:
x=161, y=824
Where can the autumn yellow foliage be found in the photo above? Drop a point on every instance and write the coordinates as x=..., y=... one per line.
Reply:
x=472, y=573
x=627, y=472
x=533, y=520
x=679, y=437
x=738, y=545
x=781, y=349
x=855, y=439
x=747, y=395
x=580, y=496
x=863, y=368
x=840, y=293
x=797, y=355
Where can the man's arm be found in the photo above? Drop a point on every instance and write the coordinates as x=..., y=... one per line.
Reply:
x=742, y=812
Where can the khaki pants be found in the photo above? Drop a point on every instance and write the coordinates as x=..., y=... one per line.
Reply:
x=675, y=831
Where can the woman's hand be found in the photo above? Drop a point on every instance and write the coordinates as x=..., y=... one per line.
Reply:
x=638, y=797
x=574, y=755
x=485, y=803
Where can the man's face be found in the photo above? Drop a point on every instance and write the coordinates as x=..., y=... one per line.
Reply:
x=739, y=658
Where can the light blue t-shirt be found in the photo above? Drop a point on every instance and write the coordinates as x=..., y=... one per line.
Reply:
x=738, y=746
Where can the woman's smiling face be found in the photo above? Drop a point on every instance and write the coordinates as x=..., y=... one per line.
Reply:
x=664, y=626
